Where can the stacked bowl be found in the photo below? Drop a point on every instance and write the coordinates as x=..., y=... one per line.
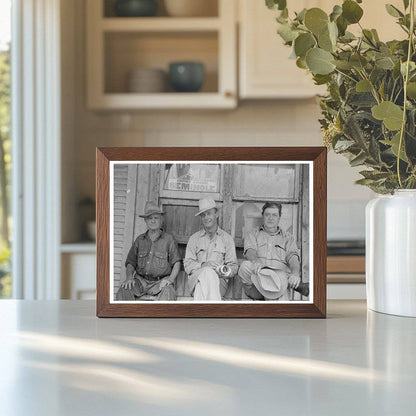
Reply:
x=147, y=80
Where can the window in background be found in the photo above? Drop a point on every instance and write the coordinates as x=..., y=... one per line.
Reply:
x=5, y=145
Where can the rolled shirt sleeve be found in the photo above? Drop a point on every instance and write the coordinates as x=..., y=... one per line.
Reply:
x=250, y=242
x=190, y=262
x=291, y=248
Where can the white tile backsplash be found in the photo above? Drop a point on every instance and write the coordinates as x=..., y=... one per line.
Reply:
x=346, y=219
x=271, y=123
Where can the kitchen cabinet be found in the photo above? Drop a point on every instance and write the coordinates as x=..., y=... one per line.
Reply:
x=116, y=46
x=78, y=262
x=265, y=70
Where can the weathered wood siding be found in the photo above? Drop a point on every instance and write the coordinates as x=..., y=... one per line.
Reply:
x=125, y=180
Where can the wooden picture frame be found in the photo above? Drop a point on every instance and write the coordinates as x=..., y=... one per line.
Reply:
x=315, y=157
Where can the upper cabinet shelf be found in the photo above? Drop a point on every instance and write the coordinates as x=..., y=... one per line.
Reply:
x=128, y=58
x=160, y=24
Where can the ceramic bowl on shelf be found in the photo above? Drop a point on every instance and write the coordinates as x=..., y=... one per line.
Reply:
x=147, y=80
x=186, y=76
x=135, y=8
x=191, y=8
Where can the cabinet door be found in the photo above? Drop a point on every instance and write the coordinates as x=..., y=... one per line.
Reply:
x=265, y=68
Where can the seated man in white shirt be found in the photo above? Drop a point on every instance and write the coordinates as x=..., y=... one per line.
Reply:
x=269, y=246
x=207, y=252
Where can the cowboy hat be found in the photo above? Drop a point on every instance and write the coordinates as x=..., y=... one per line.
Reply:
x=272, y=284
x=205, y=204
x=151, y=208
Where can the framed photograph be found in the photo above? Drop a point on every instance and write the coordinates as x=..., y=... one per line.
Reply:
x=211, y=232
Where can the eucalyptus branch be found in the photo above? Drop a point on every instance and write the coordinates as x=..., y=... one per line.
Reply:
x=397, y=95
x=406, y=79
x=373, y=89
x=345, y=75
x=369, y=41
x=392, y=90
x=352, y=119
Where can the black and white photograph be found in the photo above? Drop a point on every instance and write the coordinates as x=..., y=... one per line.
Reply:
x=211, y=231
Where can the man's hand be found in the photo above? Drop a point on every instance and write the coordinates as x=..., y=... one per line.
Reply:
x=257, y=266
x=128, y=284
x=165, y=282
x=293, y=281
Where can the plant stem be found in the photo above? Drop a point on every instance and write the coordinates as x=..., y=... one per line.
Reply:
x=406, y=79
x=373, y=90
x=345, y=75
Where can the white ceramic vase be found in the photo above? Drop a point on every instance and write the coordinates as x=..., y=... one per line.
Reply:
x=391, y=253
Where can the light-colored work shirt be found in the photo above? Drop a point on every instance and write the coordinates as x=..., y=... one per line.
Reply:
x=273, y=250
x=201, y=249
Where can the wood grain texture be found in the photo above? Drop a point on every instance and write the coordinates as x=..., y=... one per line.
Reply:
x=317, y=309
x=346, y=264
x=319, y=229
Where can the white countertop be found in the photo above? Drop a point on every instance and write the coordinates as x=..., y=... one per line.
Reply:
x=57, y=358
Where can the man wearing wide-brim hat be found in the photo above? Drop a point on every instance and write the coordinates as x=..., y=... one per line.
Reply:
x=153, y=262
x=273, y=259
x=210, y=259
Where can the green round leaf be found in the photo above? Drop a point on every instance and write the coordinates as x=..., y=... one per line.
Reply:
x=391, y=114
x=319, y=61
x=342, y=25
x=385, y=63
x=303, y=43
x=324, y=42
x=351, y=11
x=301, y=63
x=394, y=144
x=333, y=32
x=393, y=11
x=301, y=15
x=336, y=12
x=321, y=79
x=276, y=4
x=327, y=40
x=286, y=32
x=375, y=35
x=411, y=90
x=358, y=61
x=363, y=86
x=316, y=20
x=343, y=65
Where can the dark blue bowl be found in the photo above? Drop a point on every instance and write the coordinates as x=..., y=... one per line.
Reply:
x=186, y=76
x=135, y=8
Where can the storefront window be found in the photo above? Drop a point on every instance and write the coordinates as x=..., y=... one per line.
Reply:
x=275, y=181
x=192, y=177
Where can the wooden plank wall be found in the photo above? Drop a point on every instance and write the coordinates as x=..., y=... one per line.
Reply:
x=125, y=182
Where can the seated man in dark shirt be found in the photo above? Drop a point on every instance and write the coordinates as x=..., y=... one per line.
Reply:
x=153, y=262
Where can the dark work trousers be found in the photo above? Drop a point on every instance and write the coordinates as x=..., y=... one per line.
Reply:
x=166, y=293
